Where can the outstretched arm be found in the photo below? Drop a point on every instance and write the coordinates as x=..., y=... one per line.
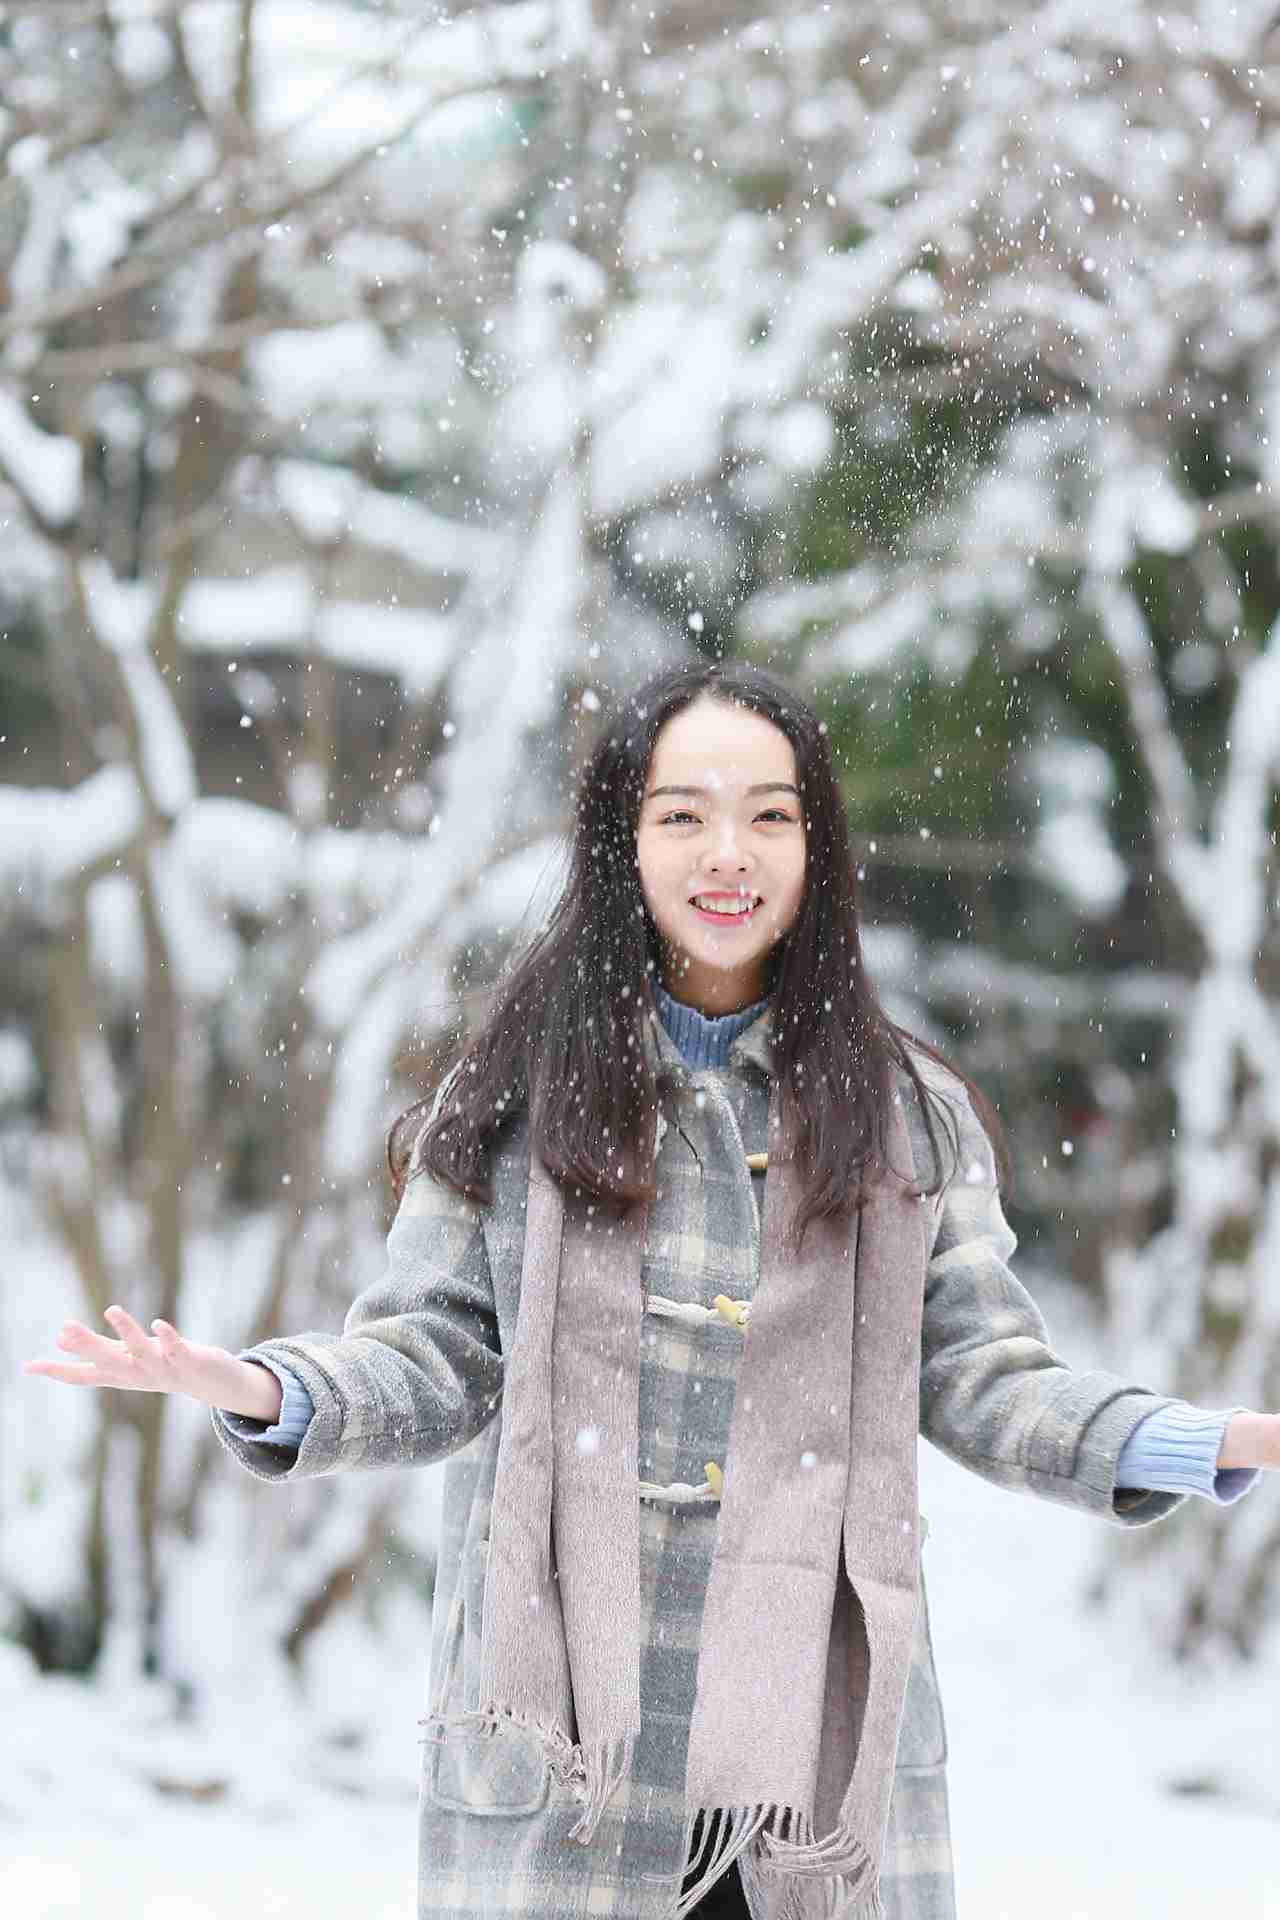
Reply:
x=416, y=1372
x=996, y=1397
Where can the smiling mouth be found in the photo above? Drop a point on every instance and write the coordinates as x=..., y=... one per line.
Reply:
x=731, y=914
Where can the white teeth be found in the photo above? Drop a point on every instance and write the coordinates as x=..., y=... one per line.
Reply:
x=723, y=906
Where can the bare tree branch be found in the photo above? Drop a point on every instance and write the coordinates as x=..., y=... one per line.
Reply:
x=147, y=268
x=143, y=356
x=1175, y=811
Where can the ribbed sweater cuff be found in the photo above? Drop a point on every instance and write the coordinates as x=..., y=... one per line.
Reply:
x=1175, y=1450
x=296, y=1410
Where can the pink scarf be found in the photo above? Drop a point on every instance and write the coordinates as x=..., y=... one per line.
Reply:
x=811, y=1607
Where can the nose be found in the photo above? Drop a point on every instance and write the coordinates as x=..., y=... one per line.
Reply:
x=726, y=856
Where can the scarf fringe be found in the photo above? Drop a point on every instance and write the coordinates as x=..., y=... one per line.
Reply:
x=798, y=1851
x=789, y=1849
x=847, y=1891
x=839, y=1902
x=728, y=1832
x=606, y=1767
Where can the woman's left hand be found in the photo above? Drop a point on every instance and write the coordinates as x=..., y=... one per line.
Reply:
x=1251, y=1440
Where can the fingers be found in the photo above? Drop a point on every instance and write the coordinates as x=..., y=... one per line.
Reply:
x=170, y=1340
x=81, y=1339
x=106, y=1361
x=131, y=1360
x=72, y=1376
x=77, y=1338
x=130, y=1332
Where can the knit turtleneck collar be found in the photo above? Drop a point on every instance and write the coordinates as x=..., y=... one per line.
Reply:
x=703, y=1040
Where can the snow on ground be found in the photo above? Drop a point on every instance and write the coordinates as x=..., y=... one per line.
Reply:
x=111, y=1810
x=1065, y=1740
x=337, y=1858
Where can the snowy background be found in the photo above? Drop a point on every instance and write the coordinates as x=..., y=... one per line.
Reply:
x=382, y=388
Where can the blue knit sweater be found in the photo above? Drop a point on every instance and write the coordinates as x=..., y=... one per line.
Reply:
x=1174, y=1450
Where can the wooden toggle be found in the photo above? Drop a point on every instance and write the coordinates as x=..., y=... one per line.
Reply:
x=734, y=1311
x=715, y=1479
x=758, y=1162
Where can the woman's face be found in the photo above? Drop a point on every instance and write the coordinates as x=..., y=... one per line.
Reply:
x=721, y=818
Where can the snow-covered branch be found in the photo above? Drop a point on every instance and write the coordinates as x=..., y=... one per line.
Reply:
x=1176, y=810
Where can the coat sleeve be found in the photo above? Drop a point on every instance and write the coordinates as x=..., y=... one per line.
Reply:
x=416, y=1372
x=994, y=1395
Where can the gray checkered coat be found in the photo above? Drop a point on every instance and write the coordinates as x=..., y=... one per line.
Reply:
x=416, y=1375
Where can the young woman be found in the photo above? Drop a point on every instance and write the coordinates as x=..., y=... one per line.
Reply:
x=691, y=1245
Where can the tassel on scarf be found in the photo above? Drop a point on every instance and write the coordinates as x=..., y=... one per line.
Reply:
x=727, y=1833
x=839, y=1902
x=832, y=1879
x=850, y=1891
x=605, y=1772
x=799, y=1852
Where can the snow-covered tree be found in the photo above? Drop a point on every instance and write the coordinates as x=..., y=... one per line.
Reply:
x=293, y=666
x=379, y=384
x=1061, y=473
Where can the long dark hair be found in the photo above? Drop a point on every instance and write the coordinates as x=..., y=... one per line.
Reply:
x=563, y=1038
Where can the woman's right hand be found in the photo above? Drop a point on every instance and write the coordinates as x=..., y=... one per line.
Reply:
x=161, y=1363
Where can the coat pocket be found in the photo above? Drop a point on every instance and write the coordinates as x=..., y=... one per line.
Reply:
x=500, y=1771
x=499, y=1774
x=922, y=1737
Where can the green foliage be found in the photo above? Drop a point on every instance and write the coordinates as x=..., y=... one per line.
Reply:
x=26, y=711
x=936, y=758
x=894, y=460
x=920, y=751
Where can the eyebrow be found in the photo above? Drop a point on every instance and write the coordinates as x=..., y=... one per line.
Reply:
x=767, y=786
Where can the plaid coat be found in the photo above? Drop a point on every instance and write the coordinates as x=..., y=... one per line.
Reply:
x=416, y=1375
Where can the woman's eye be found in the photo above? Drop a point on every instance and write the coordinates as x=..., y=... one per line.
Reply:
x=681, y=813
